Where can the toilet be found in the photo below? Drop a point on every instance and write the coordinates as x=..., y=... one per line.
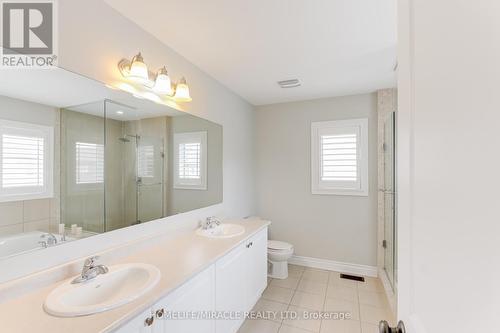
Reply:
x=278, y=254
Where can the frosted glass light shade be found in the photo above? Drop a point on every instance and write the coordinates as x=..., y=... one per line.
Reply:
x=162, y=85
x=182, y=91
x=138, y=69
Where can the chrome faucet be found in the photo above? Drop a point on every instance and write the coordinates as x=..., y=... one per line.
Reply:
x=51, y=240
x=210, y=223
x=90, y=270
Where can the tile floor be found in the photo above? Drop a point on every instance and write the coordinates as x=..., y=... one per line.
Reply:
x=308, y=289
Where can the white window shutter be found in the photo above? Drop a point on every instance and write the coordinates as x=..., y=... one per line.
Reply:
x=190, y=160
x=26, y=161
x=89, y=163
x=339, y=157
x=146, y=161
x=22, y=161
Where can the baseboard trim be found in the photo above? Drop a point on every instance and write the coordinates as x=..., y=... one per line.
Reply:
x=336, y=266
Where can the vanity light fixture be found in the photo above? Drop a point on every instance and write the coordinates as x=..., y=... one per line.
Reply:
x=138, y=70
x=182, y=91
x=138, y=75
x=162, y=83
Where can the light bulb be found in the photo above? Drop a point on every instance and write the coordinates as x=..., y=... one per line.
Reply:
x=138, y=69
x=182, y=91
x=162, y=85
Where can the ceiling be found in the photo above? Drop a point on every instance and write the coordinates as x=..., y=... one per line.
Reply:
x=334, y=47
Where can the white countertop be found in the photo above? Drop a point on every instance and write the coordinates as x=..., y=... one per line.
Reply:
x=178, y=258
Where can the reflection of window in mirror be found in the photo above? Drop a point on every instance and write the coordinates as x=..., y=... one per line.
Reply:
x=146, y=161
x=190, y=160
x=26, y=161
x=89, y=163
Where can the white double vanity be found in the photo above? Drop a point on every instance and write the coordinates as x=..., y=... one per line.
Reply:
x=194, y=283
x=215, y=299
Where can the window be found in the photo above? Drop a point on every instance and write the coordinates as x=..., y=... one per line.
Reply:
x=339, y=152
x=26, y=161
x=89, y=163
x=190, y=160
x=146, y=161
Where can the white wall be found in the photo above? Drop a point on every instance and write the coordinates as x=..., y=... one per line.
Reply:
x=339, y=228
x=92, y=39
x=449, y=165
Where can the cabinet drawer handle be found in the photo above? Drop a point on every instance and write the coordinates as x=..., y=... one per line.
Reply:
x=160, y=313
x=149, y=321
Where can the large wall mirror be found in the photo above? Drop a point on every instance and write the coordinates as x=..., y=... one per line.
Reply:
x=78, y=158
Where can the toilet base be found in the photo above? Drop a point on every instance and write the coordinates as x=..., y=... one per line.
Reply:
x=278, y=269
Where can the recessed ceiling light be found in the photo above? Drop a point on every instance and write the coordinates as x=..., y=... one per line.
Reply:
x=289, y=83
x=119, y=112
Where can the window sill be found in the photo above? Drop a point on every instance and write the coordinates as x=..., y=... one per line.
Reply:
x=358, y=193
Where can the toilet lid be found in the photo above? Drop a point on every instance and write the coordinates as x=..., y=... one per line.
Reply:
x=277, y=245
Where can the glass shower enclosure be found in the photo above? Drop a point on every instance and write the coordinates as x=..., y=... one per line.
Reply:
x=112, y=166
x=143, y=178
x=135, y=186
x=389, y=192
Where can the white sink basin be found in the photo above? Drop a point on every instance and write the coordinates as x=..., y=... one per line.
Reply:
x=121, y=285
x=226, y=230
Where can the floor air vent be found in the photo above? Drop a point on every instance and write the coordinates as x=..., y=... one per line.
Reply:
x=352, y=277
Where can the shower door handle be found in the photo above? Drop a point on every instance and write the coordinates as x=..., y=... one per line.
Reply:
x=383, y=327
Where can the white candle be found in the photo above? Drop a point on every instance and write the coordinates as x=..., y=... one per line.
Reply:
x=79, y=231
x=73, y=228
x=61, y=228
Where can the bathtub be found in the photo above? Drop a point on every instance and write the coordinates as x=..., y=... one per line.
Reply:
x=23, y=243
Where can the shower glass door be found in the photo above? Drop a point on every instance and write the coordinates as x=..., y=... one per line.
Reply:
x=390, y=198
x=150, y=185
x=134, y=166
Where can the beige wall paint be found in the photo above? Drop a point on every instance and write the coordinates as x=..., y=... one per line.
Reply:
x=339, y=228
